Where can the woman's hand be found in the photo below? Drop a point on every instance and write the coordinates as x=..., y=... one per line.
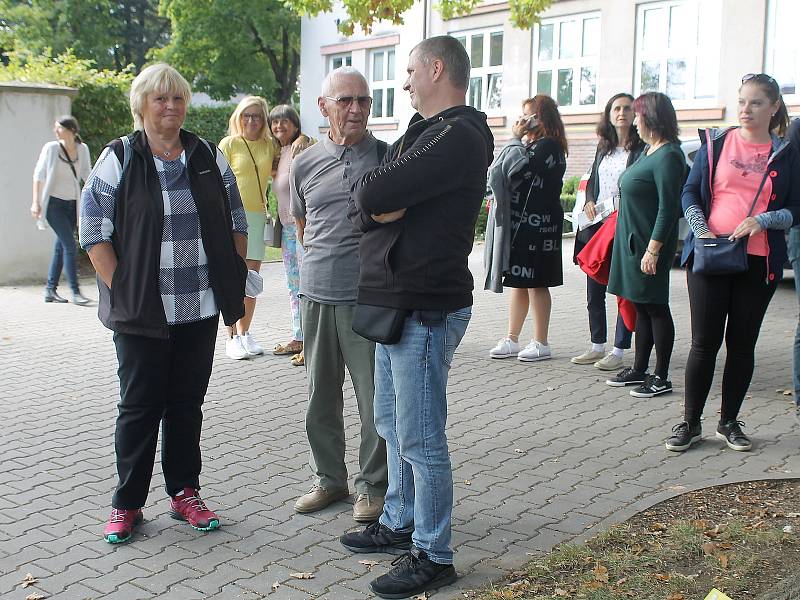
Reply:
x=648, y=264
x=36, y=210
x=522, y=126
x=300, y=144
x=748, y=227
x=589, y=210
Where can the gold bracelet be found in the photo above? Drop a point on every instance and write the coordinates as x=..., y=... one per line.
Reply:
x=651, y=253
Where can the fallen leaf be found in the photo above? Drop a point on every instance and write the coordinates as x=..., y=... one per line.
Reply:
x=35, y=596
x=676, y=596
x=708, y=548
x=658, y=527
x=560, y=592
x=661, y=576
x=302, y=575
x=275, y=586
x=29, y=580
x=467, y=482
x=621, y=581
x=723, y=561
x=600, y=573
x=369, y=563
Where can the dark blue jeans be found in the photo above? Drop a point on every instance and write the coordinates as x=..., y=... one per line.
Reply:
x=63, y=218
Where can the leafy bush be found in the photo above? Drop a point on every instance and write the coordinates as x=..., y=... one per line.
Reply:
x=209, y=122
x=101, y=105
x=480, y=224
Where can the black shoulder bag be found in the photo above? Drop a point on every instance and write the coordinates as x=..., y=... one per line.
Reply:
x=721, y=256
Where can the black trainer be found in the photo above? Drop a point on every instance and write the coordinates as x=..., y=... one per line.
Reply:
x=683, y=436
x=653, y=386
x=627, y=377
x=413, y=574
x=377, y=538
x=733, y=435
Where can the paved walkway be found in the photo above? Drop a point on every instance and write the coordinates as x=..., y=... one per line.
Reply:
x=541, y=451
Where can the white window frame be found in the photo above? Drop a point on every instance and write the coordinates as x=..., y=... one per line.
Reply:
x=346, y=59
x=576, y=63
x=774, y=44
x=486, y=70
x=384, y=84
x=705, y=51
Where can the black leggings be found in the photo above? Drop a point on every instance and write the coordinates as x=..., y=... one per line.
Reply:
x=741, y=300
x=654, y=327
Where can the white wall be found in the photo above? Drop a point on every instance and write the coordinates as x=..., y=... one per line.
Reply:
x=27, y=114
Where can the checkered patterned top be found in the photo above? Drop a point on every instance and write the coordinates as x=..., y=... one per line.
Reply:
x=183, y=275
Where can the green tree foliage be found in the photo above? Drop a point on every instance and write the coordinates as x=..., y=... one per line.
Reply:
x=113, y=34
x=235, y=46
x=101, y=105
x=524, y=13
x=209, y=122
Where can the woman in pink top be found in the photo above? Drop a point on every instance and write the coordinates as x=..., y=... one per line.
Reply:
x=734, y=167
x=284, y=122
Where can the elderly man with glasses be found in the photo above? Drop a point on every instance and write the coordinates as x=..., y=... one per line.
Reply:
x=320, y=190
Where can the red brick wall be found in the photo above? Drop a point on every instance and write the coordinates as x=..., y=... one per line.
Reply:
x=582, y=146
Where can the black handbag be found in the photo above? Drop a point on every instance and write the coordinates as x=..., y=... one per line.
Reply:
x=379, y=324
x=721, y=256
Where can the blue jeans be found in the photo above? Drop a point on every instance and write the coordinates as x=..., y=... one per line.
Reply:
x=411, y=414
x=794, y=258
x=62, y=217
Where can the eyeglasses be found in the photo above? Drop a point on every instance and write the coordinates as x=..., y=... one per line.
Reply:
x=345, y=101
x=763, y=77
x=252, y=117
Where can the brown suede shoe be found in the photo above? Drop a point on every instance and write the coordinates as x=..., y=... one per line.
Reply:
x=367, y=508
x=318, y=498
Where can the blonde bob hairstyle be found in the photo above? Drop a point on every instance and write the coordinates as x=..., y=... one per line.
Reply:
x=159, y=78
x=235, y=124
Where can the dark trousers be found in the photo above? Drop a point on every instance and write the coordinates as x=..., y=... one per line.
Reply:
x=161, y=382
x=596, y=305
x=62, y=217
x=733, y=307
x=654, y=328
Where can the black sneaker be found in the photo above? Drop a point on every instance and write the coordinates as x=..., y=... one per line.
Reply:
x=627, y=377
x=377, y=538
x=684, y=435
x=653, y=386
x=413, y=574
x=733, y=435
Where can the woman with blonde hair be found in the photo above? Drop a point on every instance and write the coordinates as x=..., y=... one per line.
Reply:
x=251, y=152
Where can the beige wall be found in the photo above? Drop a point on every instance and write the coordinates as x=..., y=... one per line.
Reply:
x=27, y=114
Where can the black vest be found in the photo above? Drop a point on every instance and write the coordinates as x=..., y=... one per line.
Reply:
x=133, y=304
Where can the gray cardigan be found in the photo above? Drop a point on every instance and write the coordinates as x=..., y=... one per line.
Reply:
x=497, y=251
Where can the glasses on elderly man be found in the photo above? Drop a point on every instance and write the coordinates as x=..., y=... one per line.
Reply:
x=252, y=116
x=345, y=101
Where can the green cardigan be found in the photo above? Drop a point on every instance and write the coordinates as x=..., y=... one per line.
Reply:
x=649, y=208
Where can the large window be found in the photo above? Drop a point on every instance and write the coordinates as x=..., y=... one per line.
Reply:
x=339, y=60
x=677, y=49
x=382, y=83
x=783, y=53
x=485, y=49
x=566, y=54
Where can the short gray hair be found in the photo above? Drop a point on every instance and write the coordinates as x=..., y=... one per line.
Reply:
x=161, y=78
x=451, y=52
x=333, y=76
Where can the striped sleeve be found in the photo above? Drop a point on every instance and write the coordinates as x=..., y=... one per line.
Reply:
x=99, y=201
x=696, y=220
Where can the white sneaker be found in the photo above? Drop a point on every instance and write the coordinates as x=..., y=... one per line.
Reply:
x=587, y=358
x=250, y=344
x=534, y=351
x=611, y=362
x=506, y=348
x=234, y=348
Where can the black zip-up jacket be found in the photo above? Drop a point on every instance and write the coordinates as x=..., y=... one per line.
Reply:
x=133, y=304
x=437, y=172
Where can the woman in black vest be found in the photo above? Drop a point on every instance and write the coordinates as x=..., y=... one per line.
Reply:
x=163, y=223
x=618, y=148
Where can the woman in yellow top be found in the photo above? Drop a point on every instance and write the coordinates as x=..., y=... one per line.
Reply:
x=252, y=153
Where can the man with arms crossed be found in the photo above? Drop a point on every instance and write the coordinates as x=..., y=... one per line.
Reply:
x=320, y=185
x=418, y=213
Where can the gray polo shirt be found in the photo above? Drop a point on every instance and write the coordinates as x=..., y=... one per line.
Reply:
x=320, y=183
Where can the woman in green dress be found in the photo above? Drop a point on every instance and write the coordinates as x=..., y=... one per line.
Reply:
x=645, y=242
